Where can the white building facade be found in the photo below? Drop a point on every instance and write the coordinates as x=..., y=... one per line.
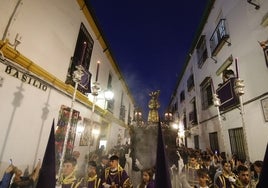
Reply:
x=42, y=43
x=231, y=42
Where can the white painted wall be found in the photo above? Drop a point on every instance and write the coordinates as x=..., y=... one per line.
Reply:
x=48, y=32
x=245, y=32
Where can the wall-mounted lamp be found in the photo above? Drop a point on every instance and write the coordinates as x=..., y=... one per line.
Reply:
x=168, y=116
x=255, y=4
x=108, y=95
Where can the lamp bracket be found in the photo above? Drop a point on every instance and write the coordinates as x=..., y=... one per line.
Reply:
x=257, y=7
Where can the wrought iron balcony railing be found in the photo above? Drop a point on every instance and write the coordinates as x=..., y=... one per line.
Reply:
x=219, y=37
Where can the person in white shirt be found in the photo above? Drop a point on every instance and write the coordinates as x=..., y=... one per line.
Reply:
x=203, y=178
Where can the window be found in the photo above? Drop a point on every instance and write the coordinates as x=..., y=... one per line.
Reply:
x=109, y=85
x=213, y=140
x=128, y=116
x=122, y=113
x=110, y=103
x=193, y=113
x=219, y=37
x=187, y=132
x=202, y=53
x=237, y=142
x=196, y=142
x=206, y=93
x=190, y=82
x=175, y=107
x=184, y=120
x=182, y=96
x=81, y=57
x=264, y=45
x=265, y=51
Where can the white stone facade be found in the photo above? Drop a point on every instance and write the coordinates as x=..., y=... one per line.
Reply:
x=246, y=26
x=47, y=32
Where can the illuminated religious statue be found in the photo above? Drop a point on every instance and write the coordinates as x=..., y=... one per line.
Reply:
x=153, y=106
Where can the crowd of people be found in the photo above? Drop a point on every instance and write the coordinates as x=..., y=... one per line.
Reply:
x=211, y=170
x=189, y=168
x=112, y=175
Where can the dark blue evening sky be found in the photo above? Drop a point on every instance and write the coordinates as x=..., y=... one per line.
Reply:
x=150, y=41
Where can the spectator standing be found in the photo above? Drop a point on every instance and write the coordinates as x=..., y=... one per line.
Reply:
x=257, y=167
x=243, y=180
x=190, y=170
x=68, y=178
x=92, y=180
x=203, y=179
x=103, y=165
x=147, y=179
x=226, y=179
x=122, y=157
x=115, y=176
x=209, y=167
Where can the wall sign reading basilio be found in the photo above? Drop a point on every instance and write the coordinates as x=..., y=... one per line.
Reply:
x=26, y=78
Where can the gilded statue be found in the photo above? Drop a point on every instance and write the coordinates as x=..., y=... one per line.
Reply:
x=153, y=105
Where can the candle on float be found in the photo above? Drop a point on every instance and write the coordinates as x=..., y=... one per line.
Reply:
x=97, y=72
x=83, y=52
x=236, y=67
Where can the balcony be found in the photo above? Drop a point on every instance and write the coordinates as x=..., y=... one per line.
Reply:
x=227, y=95
x=219, y=37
